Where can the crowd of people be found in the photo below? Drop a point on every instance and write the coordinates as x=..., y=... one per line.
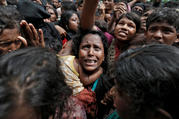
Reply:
x=89, y=59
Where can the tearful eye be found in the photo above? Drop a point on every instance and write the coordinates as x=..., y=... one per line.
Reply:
x=86, y=47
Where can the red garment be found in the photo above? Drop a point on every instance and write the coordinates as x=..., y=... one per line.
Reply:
x=73, y=109
x=117, y=52
x=64, y=41
x=88, y=98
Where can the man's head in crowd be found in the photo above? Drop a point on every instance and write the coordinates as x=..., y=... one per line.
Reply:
x=33, y=90
x=147, y=83
x=162, y=26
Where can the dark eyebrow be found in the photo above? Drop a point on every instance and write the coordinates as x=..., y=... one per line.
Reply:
x=168, y=28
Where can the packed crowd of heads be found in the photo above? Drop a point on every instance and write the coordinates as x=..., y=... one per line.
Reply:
x=89, y=59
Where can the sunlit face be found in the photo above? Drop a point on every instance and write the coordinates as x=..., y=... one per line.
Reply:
x=91, y=52
x=74, y=22
x=53, y=16
x=9, y=40
x=125, y=29
x=162, y=33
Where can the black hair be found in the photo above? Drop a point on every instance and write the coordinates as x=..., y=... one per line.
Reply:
x=55, y=11
x=131, y=16
x=78, y=39
x=65, y=17
x=149, y=76
x=141, y=5
x=32, y=76
x=68, y=5
x=164, y=15
x=79, y=2
x=171, y=4
x=102, y=25
x=9, y=18
x=124, y=1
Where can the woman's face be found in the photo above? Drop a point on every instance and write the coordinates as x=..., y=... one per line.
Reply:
x=53, y=16
x=125, y=29
x=74, y=22
x=91, y=52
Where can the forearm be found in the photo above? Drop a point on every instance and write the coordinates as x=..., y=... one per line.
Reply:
x=88, y=14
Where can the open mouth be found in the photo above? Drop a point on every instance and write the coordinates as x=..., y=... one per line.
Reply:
x=90, y=61
x=123, y=34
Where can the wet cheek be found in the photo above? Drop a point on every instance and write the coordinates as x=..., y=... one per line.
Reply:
x=82, y=54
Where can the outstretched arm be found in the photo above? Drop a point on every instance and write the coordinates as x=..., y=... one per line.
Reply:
x=88, y=14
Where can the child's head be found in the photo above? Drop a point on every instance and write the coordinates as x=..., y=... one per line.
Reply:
x=31, y=84
x=147, y=82
x=9, y=29
x=162, y=26
x=126, y=26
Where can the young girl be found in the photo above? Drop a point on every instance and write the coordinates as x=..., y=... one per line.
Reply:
x=126, y=28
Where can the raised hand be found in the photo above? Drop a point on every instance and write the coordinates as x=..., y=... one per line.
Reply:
x=33, y=37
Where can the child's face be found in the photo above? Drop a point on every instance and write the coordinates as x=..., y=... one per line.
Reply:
x=9, y=40
x=162, y=33
x=125, y=29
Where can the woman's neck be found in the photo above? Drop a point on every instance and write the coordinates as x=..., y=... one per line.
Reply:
x=87, y=77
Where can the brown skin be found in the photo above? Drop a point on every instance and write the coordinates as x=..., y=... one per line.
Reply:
x=10, y=40
x=144, y=18
x=108, y=5
x=91, y=56
x=53, y=17
x=31, y=34
x=119, y=9
x=23, y=112
x=125, y=30
x=74, y=23
x=162, y=33
x=91, y=53
x=88, y=14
